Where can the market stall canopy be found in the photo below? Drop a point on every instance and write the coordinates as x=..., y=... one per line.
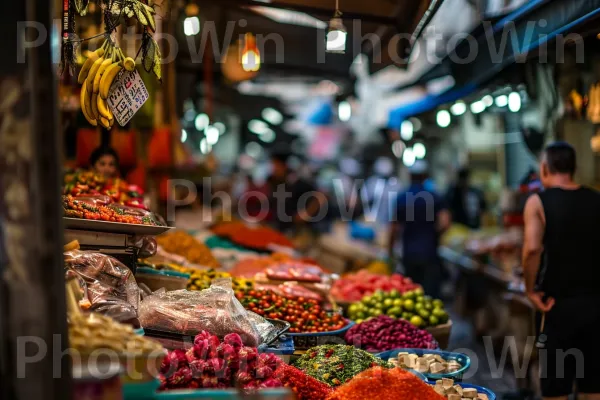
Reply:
x=496, y=52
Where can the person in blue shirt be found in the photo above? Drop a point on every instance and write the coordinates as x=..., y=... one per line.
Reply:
x=421, y=218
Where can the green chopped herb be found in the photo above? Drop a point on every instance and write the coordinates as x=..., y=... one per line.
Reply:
x=337, y=364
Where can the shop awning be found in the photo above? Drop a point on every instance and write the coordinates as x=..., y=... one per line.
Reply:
x=499, y=45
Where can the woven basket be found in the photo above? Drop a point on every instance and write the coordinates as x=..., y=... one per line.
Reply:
x=441, y=333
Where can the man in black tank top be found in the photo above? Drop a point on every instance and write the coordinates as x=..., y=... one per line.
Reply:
x=562, y=222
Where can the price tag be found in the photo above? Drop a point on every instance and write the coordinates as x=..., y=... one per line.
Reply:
x=127, y=95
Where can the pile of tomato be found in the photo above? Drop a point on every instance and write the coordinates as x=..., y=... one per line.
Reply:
x=304, y=315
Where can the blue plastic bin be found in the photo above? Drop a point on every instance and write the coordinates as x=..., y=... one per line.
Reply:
x=283, y=348
x=304, y=341
x=462, y=359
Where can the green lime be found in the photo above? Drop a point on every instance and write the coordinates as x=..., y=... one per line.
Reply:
x=416, y=321
x=434, y=321
x=428, y=306
x=419, y=299
x=406, y=315
x=427, y=298
x=419, y=306
x=396, y=312
x=361, y=315
x=366, y=300
x=394, y=294
x=398, y=303
x=440, y=314
x=353, y=308
x=358, y=321
x=388, y=303
x=376, y=313
x=424, y=314
x=438, y=303
x=419, y=291
x=408, y=305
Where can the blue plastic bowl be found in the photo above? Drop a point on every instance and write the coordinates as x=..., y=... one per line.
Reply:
x=462, y=359
x=304, y=341
x=418, y=375
x=491, y=395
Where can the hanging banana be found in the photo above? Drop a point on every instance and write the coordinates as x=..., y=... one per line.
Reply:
x=103, y=66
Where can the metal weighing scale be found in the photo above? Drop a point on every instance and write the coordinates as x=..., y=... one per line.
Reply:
x=111, y=238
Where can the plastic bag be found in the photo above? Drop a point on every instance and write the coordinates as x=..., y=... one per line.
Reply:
x=146, y=245
x=110, y=287
x=215, y=310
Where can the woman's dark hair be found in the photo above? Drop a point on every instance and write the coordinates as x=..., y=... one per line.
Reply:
x=561, y=158
x=103, y=151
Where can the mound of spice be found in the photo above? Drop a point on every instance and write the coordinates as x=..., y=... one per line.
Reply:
x=304, y=387
x=385, y=384
x=336, y=364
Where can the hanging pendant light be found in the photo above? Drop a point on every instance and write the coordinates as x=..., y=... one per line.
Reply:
x=250, y=54
x=335, y=41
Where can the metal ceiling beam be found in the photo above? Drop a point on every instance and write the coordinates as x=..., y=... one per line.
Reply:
x=314, y=11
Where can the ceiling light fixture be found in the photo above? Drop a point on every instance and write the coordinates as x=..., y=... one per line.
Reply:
x=268, y=136
x=336, y=33
x=458, y=108
x=344, y=111
x=408, y=157
x=204, y=146
x=201, y=121
x=183, y=135
x=258, y=126
x=191, y=26
x=250, y=54
x=443, y=118
x=488, y=100
x=502, y=100
x=272, y=116
x=477, y=107
x=419, y=150
x=514, y=102
x=406, y=130
x=212, y=135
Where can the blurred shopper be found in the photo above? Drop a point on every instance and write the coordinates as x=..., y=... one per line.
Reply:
x=380, y=190
x=105, y=161
x=422, y=217
x=561, y=227
x=294, y=199
x=466, y=203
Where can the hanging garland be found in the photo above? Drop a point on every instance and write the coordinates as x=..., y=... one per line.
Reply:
x=102, y=67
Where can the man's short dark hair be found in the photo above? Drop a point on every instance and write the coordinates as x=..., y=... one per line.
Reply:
x=561, y=158
x=464, y=174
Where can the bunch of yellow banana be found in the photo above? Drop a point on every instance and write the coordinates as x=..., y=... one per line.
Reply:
x=96, y=77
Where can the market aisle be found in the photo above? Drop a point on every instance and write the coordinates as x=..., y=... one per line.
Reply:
x=463, y=337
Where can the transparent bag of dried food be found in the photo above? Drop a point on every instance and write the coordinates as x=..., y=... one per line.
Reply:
x=215, y=310
x=110, y=286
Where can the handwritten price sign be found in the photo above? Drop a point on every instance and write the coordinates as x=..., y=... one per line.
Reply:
x=127, y=95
